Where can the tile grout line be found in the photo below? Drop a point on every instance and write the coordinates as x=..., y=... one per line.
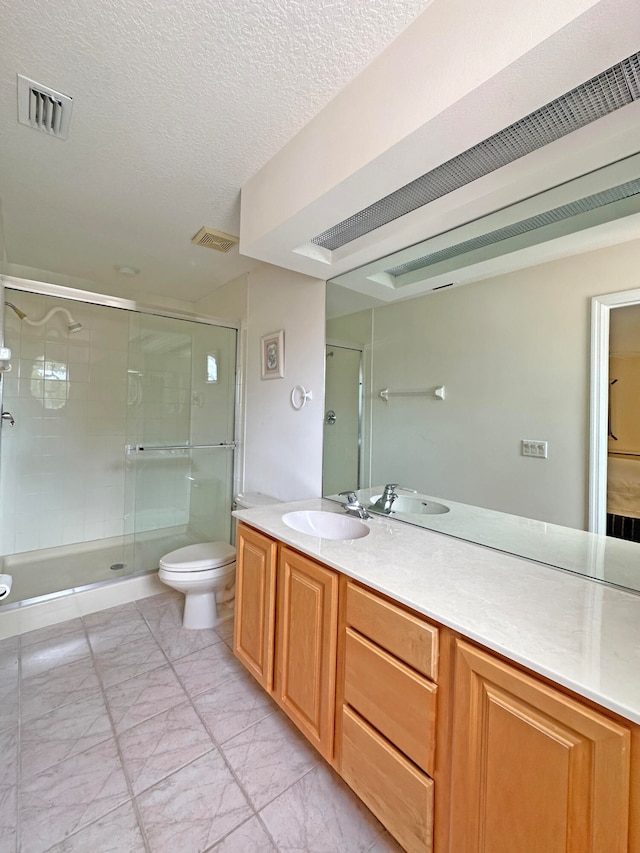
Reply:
x=219, y=841
x=190, y=700
x=245, y=793
x=134, y=804
x=19, y=749
x=218, y=746
x=101, y=690
x=214, y=743
x=222, y=755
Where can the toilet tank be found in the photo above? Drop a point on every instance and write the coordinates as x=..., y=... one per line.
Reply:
x=249, y=500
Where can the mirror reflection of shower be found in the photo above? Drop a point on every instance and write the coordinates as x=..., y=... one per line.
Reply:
x=72, y=325
x=343, y=419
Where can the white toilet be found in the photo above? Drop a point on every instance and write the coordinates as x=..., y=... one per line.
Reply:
x=206, y=573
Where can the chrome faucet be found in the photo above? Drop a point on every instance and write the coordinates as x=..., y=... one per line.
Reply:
x=353, y=505
x=387, y=498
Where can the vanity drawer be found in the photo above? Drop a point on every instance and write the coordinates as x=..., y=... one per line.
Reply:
x=397, y=701
x=406, y=636
x=398, y=794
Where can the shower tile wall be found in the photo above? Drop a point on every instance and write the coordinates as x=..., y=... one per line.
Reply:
x=63, y=462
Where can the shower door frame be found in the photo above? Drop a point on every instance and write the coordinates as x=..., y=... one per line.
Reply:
x=62, y=291
x=133, y=306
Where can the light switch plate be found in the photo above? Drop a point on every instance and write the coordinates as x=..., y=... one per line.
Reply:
x=539, y=449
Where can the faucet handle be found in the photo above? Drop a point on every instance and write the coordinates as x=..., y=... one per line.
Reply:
x=391, y=487
x=353, y=504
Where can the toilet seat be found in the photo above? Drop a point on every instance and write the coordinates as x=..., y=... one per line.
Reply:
x=201, y=557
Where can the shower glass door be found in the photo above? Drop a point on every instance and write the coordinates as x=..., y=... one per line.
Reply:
x=180, y=452
x=62, y=467
x=89, y=384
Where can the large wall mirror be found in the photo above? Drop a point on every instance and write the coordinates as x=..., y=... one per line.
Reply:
x=508, y=449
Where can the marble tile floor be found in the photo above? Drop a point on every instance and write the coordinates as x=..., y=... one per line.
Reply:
x=123, y=732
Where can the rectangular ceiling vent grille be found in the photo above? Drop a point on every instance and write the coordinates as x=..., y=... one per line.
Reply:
x=549, y=217
x=609, y=91
x=43, y=109
x=217, y=240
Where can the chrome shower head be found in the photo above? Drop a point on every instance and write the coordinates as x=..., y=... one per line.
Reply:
x=74, y=327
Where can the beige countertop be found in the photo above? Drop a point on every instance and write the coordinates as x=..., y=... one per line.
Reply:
x=579, y=632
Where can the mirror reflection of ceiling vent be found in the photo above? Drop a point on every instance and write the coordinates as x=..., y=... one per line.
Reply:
x=217, y=240
x=614, y=88
x=523, y=226
x=43, y=108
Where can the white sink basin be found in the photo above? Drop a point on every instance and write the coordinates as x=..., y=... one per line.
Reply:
x=414, y=505
x=326, y=525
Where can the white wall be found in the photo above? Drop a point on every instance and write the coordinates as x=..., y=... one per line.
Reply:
x=280, y=451
x=283, y=447
x=513, y=353
x=228, y=302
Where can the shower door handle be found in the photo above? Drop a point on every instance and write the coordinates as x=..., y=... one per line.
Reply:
x=7, y=416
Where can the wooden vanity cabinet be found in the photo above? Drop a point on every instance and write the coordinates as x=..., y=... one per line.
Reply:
x=307, y=633
x=453, y=748
x=388, y=716
x=255, y=604
x=533, y=769
x=286, y=629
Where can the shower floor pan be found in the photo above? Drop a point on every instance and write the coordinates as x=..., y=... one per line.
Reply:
x=51, y=572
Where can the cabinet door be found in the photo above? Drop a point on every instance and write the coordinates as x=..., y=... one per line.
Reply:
x=533, y=769
x=306, y=647
x=255, y=606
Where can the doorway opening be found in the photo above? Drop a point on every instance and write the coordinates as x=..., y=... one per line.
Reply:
x=614, y=489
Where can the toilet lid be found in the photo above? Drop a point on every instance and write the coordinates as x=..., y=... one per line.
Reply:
x=205, y=555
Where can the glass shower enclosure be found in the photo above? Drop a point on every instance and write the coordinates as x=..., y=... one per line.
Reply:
x=122, y=443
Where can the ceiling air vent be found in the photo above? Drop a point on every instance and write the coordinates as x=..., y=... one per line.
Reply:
x=217, y=240
x=603, y=94
x=43, y=109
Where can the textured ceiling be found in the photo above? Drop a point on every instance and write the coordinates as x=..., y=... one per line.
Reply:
x=176, y=104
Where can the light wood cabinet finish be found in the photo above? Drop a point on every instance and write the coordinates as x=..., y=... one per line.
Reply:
x=520, y=766
x=396, y=700
x=306, y=646
x=255, y=611
x=404, y=634
x=533, y=769
x=396, y=791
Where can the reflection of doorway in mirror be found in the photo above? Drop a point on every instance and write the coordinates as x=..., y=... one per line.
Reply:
x=623, y=441
x=342, y=423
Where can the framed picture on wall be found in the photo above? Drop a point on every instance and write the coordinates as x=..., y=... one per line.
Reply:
x=273, y=355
